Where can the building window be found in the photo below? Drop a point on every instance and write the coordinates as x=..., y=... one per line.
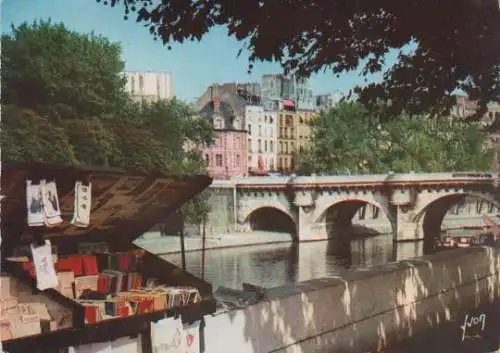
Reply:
x=286, y=147
x=281, y=132
x=265, y=118
x=218, y=160
x=292, y=147
x=270, y=120
x=250, y=145
x=259, y=146
x=218, y=124
x=265, y=146
x=132, y=84
x=271, y=147
x=237, y=161
x=260, y=130
x=249, y=129
x=281, y=147
x=207, y=159
x=141, y=83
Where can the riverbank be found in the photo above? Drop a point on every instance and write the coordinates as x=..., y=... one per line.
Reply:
x=440, y=303
x=155, y=243
x=164, y=245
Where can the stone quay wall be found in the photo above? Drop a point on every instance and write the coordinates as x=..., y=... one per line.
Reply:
x=364, y=310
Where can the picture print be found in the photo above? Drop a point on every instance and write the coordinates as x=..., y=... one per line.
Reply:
x=51, y=203
x=35, y=206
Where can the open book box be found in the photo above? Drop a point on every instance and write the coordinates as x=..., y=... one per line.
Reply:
x=108, y=287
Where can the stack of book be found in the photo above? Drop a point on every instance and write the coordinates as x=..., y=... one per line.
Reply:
x=109, y=285
x=20, y=319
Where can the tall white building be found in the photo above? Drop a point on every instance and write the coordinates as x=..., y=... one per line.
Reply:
x=149, y=86
x=262, y=145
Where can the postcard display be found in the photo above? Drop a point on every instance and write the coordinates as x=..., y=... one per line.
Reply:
x=94, y=280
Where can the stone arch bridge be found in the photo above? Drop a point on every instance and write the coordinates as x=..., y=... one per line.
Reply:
x=320, y=207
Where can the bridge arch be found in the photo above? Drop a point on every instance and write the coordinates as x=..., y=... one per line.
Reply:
x=271, y=219
x=429, y=217
x=338, y=215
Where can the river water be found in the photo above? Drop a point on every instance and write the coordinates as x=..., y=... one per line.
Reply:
x=278, y=264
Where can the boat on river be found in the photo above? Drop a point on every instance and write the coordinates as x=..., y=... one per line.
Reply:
x=485, y=236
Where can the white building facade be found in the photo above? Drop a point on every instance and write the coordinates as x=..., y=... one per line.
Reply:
x=149, y=86
x=262, y=144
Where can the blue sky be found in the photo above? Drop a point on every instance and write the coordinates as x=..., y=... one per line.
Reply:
x=193, y=66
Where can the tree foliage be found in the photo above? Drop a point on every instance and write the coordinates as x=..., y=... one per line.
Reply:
x=28, y=137
x=457, y=42
x=45, y=65
x=347, y=140
x=65, y=103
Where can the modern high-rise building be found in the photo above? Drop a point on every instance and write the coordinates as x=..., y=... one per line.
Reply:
x=277, y=87
x=149, y=86
x=324, y=102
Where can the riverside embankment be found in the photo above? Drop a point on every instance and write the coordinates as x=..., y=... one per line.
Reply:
x=363, y=310
x=228, y=238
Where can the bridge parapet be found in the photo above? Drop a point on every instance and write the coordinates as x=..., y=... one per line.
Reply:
x=367, y=180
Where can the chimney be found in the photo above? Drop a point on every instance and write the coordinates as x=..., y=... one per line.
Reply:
x=216, y=103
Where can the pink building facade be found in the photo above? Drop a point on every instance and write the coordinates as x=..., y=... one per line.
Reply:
x=227, y=157
x=224, y=106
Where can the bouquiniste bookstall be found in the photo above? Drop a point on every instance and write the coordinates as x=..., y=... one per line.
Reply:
x=71, y=274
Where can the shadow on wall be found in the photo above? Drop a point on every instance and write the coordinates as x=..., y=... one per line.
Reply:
x=372, y=309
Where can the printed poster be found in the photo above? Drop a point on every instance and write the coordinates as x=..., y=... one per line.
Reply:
x=192, y=338
x=46, y=276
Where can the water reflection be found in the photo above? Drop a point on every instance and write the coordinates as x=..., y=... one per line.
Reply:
x=278, y=264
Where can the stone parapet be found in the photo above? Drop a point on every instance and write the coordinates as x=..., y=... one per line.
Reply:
x=363, y=310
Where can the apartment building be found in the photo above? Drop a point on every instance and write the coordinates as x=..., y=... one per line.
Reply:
x=261, y=127
x=304, y=128
x=288, y=121
x=224, y=105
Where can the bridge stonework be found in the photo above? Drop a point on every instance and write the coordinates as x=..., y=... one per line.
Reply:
x=413, y=204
